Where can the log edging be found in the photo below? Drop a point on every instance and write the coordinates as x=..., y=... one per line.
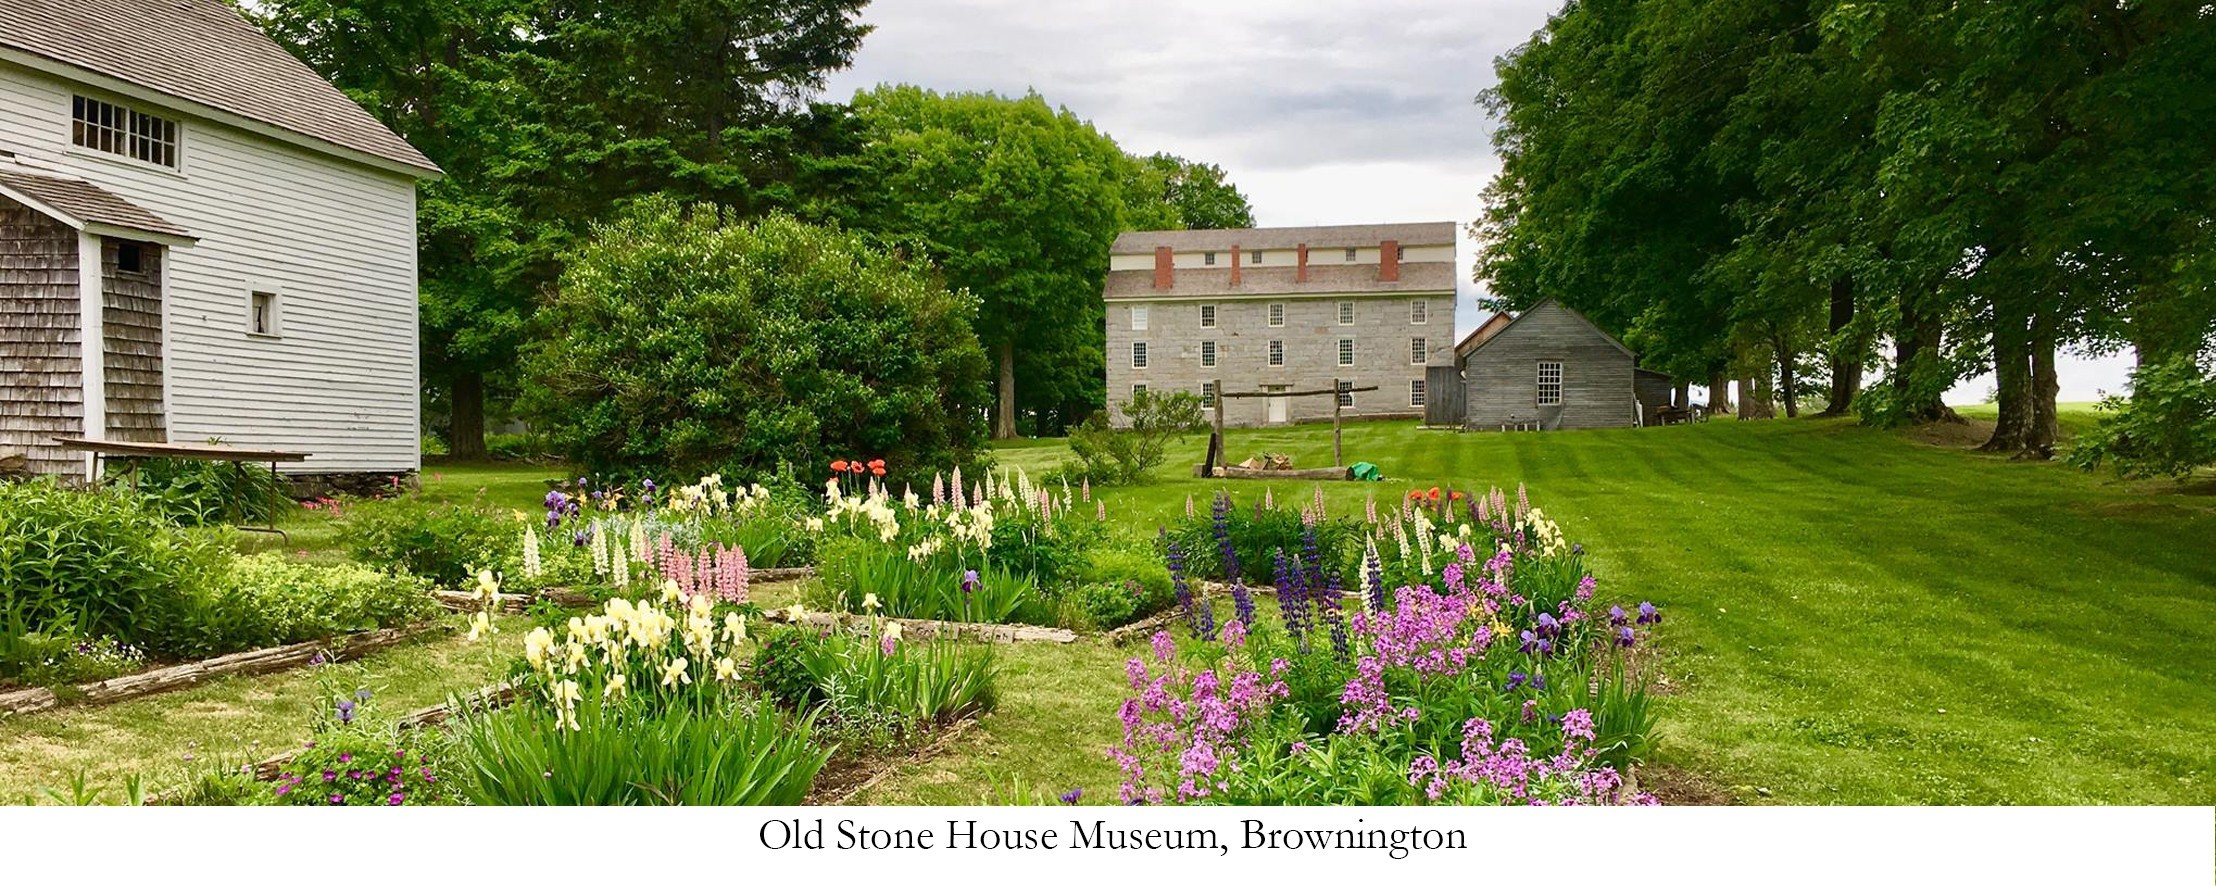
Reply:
x=236, y=664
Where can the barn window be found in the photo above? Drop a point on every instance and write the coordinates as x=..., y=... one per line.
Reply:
x=1208, y=395
x=1207, y=353
x=114, y=129
x=1346, y=313
x=1419, y=312
x=1277, y=352
x=1415, y=393
x=129, y=259
x=1550, y=383
x=1207, y=316
x=261, y=313
x=1138, y=318
x=1277, y=315
x=1138, y=355
x=1418, y=349
x=1346, y=352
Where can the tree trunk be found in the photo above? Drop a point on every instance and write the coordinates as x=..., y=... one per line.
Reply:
x=465, y=436
x=1785, y=379
x=1004, y=415
x=1719, y=394
x=1918, y=348
x=2043, y=426
x=2012, y=383
x=1682, y=395
x=1846, y=355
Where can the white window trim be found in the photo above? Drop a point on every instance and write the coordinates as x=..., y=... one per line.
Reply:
x=1352, y=255
x=1207, y=395
x=1346, y=313
x=276, y=311
x=1208, y=316
x=1139, y=355
x=1137, y=389
x=1138, y=318
x=1346, y=352
x=1419, y=350
x=1277, y=315
x=1418, y=393
x=1540, y=394
x=1419, y=312
x=1208, y=353
x=1277, y=352
x=176, y=147
x=1208, y=258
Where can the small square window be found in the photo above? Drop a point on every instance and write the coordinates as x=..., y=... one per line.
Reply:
x=1207, y=316
x=1255, y=257
x=1277, y=315
x=1277, y=352
x=1415, y=393
x=1207, y=258
x=261, y=313
x=1346, y=352
x=1138, y=318
x=1207, y=353
x=1419, y=312
x=1350, y=253
x=1346, y=313
x=1418, y=349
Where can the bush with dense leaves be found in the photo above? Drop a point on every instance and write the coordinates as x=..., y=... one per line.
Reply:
x=98, y=562
x=1123, y=452
x=2166, y=429
x=271, y=600
x=447, y=543
x=206, y=493
x=679, y=343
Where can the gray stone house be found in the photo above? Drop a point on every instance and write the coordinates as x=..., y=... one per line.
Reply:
x=1549, y=368
x=1283, y=310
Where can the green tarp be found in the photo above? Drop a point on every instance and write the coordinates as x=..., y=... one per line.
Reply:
x=1365, y=471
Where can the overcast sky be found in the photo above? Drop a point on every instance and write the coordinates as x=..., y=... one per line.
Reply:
x=1323, y=111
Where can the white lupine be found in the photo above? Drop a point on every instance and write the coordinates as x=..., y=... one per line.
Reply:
x=530, y=552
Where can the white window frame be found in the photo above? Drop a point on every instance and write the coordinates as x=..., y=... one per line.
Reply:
x=1419, y=350
x=1208, y=353
x=1419, y=312
x=1254, y=257
x=1207, y=395
x=1277, y=352
x=111, y=129
x=1137, y=389
x=1207, y=316
x=275, y=327
x=1352, y=255
x=1277, y=314
x=1208, y=258
x=1138, y=355
x=1346, y=397
x=1346, y=313
x=1138, y=318
x=1346, y=352
x=1417, y=395
x=1549, y=368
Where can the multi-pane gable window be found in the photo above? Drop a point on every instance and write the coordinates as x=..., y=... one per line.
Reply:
x=1138, y=318
x=1255, y=257
x=1415, y=393
x=1207, y=353
x=1208, y=395
x=1277, y=352
x=1346, y=352
x=1550, y=383
x=1419, y=312
x=115, y=129
x=1138, y=355
x=1417, y=350
x=1346, y=313
x=1207, y=258
x=1277, y=315
x=1346, y=395
x=1350, y=253
x=1207, y=316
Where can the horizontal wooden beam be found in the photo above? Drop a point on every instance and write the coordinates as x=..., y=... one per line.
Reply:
x=1321, y=393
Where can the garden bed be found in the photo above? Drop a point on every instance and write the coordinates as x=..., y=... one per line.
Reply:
x=928, y=629
x=259, y=661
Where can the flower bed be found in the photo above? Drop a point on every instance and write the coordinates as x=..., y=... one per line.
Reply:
x=1469, y=663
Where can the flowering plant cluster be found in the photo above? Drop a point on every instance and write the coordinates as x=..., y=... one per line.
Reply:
x=1483, y=672
x=705, y=536
x=351, y=762
x=687, y=654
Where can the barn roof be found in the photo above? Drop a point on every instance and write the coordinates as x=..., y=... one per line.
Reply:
x=83, y=205
x=1496, y=334
x=205, y=53
x=1484, y=331
x=1317, y=237
x=1267, y=280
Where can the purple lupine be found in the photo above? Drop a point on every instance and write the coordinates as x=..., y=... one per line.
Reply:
x=1375, y=583
x=1197, y=615
x=1221, y=517
x=1292, y=597
x=1311, y=551
x=1242, y=600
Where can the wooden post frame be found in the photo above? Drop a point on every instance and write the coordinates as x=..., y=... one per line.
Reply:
x=1338, y=389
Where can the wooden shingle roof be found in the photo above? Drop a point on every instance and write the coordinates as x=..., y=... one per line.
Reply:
x=203, y=52
x=82, y=204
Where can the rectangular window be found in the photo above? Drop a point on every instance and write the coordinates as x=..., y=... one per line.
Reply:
x=1138, y=355
x=261, y=313
x=1277, y=352
x=114, y=129
x=1550, y=383
x=1255, y=257
x=1346, y=395
x=1136, y=390
x=1277, y=315
x=1346, y=352
x=1207, y=353
x=1419, y=312
x=1207, y=316
x=1207, y=258
x=1350, y=253
x=1208, y=395
x=1138, y=318
x=1417, y=351
x=129, y=258
x=1346, y=313
x=1415, y=393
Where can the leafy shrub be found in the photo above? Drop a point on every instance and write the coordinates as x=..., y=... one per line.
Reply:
x=2167, y=428
x=357, y=761
x=681, y=343
x=781, y=670
x=205, y=493
x=446, y=543
x=59, y=656
x=1255, y=535
x=270, y=600
x=99, y=562
x=1119, y=586
x=874, y=674
x=1116, y=453
x=625, y=754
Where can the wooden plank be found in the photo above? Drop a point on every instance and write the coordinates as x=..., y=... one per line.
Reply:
x=1234, y=472
x=177, y=450
x=256, y=661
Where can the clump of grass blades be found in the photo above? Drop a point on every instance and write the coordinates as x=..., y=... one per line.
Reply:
x=746, y=754
x=922, y=684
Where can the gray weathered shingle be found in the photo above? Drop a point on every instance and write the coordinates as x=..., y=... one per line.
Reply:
x=206, y=53
x=1323, y=237
x=87, y=203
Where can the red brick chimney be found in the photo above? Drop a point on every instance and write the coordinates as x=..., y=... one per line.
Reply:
x=1234, y=264
x=1301, y=276
x=1165, y=269
x=1388, y=261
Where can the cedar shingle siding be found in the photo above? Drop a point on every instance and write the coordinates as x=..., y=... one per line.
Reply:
x=131, y=323
x=1502, y=375
x=41, y=377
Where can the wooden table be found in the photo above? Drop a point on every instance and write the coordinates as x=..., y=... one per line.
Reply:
x=133, y=453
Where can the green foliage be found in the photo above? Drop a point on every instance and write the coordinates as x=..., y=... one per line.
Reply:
x=780, y=669
x=357, y=761
x=1200, y=196
x=1259, y=531
x=863, y=677
x=205, y=493
x=446, y=542
x=270, y=599
x=678, y=342
x=1117, y=453
x=2166, y=429
x=97, y=562
x=1120, y=585
x=741, y=754
x=58, y=656
x=852, y=571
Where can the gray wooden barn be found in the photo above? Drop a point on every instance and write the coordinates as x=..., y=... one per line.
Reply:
x=1547, y=368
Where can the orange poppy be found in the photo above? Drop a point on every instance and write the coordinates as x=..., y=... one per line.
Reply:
x=877, y=471
x=839, y=466
x=1456, y=496
x=1434, y=493
x=877, y=464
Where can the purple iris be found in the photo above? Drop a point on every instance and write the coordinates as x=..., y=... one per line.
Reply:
x=1578, y=549
x=1548, y=625
x=346, y=712
x=555, y=501
x=1616, y=615
x=1515, y=679
x=969, y=581
x=1536, y=644
x=1624, y=637
x=577, y=538
x=1648, y=615
x=1073, y=795
x=361, y=694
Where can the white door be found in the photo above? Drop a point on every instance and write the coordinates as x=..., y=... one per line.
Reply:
x=1281, y=408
